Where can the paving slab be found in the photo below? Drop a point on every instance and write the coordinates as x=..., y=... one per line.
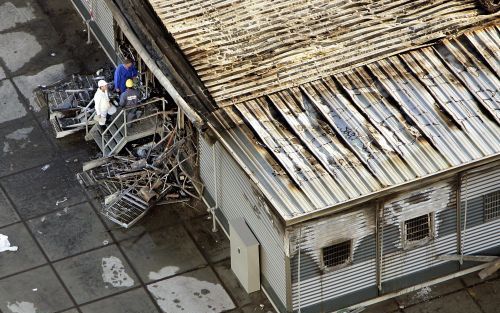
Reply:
x=487, y=295
x=458, y=302
x=388, y=306
x=38, y=288
x=163, y=253
x=234, y=288
x=198, y=291
x=51, y=187
x=71, y=311
x=431, y=292
x=13, y=13
x=133, y=301
x=29, y=82
x=158, y=217
x=2, y=73
x=69, y=231
x=96, y=274
x=23, y=47
x=11, y=105
x=20, y=141
x=7, y=213
x=27, y=256
x=215, y=245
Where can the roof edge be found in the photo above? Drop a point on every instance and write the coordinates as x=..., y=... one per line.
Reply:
x=491, y=160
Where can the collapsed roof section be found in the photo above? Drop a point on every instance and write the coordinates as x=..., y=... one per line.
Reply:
x=326, y=104
x=375, y=127
x=243, y=49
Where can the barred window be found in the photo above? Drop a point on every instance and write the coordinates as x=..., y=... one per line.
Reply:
x=337, y=255
x=418, y=230
x=491, y=205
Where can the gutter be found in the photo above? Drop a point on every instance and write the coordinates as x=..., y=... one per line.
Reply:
x=191, y=114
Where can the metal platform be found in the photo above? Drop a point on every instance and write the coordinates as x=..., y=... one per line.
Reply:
x=122, y=130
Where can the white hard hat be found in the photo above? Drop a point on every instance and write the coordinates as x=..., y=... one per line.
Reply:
x=101, y=83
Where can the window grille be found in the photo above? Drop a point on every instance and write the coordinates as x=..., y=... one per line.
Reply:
x=337, y=255
x=418, y=230
x=491, y=205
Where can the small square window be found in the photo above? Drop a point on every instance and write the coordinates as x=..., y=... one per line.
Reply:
x=337, y=255
x=418, y=230
x=491, y=205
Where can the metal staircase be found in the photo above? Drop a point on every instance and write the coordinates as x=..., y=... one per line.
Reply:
x=122, y=130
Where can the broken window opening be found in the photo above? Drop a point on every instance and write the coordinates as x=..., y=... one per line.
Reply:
x=418, y=230
x=491, y=205
x=337, y=255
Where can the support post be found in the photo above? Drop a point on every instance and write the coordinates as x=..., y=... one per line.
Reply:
x=459, y=215
x=379, y=217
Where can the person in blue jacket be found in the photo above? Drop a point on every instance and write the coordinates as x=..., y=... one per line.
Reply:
x=123, y=72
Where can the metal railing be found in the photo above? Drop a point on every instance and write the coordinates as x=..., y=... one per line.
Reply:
x=121, y=122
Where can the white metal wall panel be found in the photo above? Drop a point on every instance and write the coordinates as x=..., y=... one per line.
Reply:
x=314, y=285
x=104, y=20
x=207, y=166
x=480, y=183
x=238, y=199
x=439, y=198
x=479, y=235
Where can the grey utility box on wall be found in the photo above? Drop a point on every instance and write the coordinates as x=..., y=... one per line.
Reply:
x=244, y=255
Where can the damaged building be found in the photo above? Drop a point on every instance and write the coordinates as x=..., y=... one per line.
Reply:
x=350, y=150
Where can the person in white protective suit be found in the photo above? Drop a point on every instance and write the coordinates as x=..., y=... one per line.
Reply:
x=102, y=105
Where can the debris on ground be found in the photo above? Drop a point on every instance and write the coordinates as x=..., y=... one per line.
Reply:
x=148, y=151
x=69, y=101
x=5, y=244
x=160, y=171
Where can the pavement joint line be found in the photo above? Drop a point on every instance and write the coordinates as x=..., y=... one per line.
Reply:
x=464, y=288
x=100, y=299
x=467, y=290
x=136, y=273
x=41, y=249
x=52, y=211
x=211, y=264
x=24, y=271
x=26, y=169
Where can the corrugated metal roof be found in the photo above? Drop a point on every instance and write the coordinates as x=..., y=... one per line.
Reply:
x=242, y=49
x=377, y=126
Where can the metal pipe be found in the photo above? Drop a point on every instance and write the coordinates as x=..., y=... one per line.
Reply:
x=212, y=209
x=465, y=219
x=379, y=214
x=151, y=64
x=459, y=215
x=298, y=270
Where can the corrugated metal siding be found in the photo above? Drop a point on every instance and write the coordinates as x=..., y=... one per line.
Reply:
x=480, y=183
x=397, y=262
x=238, y=198
x=380, y=125
x=207, y=166
x=317, y=285
x=103, y=18
x=478, y=235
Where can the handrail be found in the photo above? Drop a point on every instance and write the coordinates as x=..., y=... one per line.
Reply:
x=106, y=142
x=86, y=119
